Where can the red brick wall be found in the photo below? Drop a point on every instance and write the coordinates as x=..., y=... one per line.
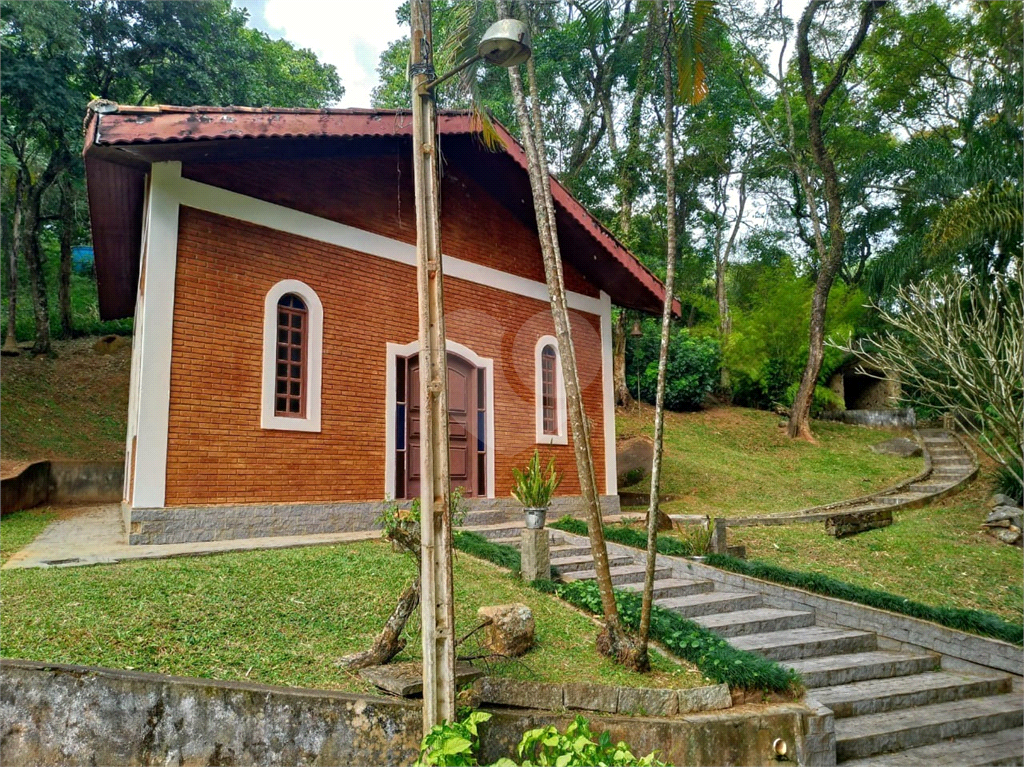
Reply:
x=217, y=452
x=375, y=193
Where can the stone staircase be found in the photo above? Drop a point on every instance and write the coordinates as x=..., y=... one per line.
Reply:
x=890, y=707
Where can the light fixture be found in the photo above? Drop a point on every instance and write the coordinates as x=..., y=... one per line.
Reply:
x=506, y=43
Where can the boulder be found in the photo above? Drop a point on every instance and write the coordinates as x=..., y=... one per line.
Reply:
x=1001, y=500
x=1005, y=513
x=110, y=344
x=1010, y=535
x=901, y=446
x=510, y=632
x=633, y=459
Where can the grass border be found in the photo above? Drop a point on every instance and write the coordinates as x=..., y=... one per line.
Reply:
x=976, y=622
x=714, y=656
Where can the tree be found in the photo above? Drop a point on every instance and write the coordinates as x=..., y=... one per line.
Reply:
x=832, y=255
x=958, y=341
x=614, y=641
x=57, y=56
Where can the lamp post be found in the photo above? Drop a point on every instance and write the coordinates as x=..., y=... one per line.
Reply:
x=506, y=43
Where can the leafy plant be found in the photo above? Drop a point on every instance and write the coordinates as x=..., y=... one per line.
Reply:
x=825, y=400
x=1008, y=482
x=395, y=515
x=452, y=743
x=699, y=537
x=691, y=374
x=532, y=488
x=576, y=747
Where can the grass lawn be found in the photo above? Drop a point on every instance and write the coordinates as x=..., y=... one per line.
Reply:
x=730, y=461
x=17, y=530
x=938, y=555
x=277, y=617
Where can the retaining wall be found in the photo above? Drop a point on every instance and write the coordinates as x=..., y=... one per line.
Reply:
x=70, y=715
x=62, y=482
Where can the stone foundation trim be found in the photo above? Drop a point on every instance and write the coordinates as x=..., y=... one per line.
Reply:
x=188, y=524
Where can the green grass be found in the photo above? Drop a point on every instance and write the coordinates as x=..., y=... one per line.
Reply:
x=937, y=555
x=737, y=462
x=18, y=529
x=278, y=617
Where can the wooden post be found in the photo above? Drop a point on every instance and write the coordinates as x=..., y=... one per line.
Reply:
x=437, y=608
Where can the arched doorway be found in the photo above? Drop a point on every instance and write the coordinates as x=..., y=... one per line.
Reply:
x=467, y=449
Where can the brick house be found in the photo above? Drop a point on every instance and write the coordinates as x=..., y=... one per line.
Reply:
x=268, y=257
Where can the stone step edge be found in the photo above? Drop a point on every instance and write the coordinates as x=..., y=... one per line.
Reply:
x=584, y=696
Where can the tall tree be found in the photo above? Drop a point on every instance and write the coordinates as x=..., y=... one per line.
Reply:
x=832, y=257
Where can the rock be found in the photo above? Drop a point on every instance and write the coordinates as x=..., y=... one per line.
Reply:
x=1009, y=536
x=633, y=700
x=1005, y=513
x=704, y=698
x=592, y=697
x=998, y=499
x=633, y=459
x=511, y=630
x=406, y=679
x=997, y=523
x=901, y=446
x=110, y=344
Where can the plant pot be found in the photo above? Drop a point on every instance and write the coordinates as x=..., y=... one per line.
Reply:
x=535, y=517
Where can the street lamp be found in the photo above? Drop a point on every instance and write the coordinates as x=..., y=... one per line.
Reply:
x=507, y=44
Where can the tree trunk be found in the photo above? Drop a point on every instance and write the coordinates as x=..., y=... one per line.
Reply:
x=666, y=323
x=11, y=338
x=389, y=642
x=67, y=228
x=622, y=395
x=614, y=641
x=36, y=272
x=800, y=415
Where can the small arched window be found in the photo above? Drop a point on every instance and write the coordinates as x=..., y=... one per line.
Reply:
x=292, y=365
x=292, y=332
x=550, y=394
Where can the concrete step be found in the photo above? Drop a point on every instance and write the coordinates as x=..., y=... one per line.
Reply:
x=568, y=550
x=929, y=487
x=757, y=621
x=903, y=497
x=1002, y=747
x=833, y=670
x=574, y=563
x=862, y=736
x=669, y=588
x=810, y=642
x=620, y=575
x=501, y=530
x=494, y=517
x=711, y=602
x=877, y=695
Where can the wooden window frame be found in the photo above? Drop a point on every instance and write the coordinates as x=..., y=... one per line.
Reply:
x=312, y=375
x=289, y=346
x=551, y=431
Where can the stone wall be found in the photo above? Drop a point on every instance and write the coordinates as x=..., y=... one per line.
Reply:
x=71, y=715
x=63, y=482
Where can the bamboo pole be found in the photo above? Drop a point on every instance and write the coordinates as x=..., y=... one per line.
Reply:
x=437, y=608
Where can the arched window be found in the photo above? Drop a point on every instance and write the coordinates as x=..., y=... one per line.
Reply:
x=550, y=394
x=292, y=364
x=292, y=331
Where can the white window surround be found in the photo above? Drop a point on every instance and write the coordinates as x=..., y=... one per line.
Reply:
x=168, y=190
x=485, y=364
x=561, y=437
x=314, y=358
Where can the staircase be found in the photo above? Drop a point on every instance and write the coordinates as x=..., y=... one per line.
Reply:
x=891, y=708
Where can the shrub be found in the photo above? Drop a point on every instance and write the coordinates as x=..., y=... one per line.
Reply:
x=576, y=747
x=691, y=374
x=1008, y=483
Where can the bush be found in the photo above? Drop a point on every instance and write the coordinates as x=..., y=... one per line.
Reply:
x=692, y=369
x=1008, y=483
x=825, y=400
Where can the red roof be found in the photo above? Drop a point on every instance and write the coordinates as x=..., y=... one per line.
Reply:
x=120, y=145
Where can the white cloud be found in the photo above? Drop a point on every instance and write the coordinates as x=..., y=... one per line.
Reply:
x=350, y=34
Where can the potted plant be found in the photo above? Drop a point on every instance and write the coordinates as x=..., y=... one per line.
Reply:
x=533, y=488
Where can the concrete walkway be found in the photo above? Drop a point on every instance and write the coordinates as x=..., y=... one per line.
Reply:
x=96, y=536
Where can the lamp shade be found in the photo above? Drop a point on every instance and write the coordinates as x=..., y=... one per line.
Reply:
x=506, y=43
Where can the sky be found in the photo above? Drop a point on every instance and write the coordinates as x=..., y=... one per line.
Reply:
x=350, y=34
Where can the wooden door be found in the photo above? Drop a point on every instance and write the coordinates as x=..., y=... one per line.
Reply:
x=462, y=419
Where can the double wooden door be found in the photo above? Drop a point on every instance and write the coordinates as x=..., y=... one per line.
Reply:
x=465, y=442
